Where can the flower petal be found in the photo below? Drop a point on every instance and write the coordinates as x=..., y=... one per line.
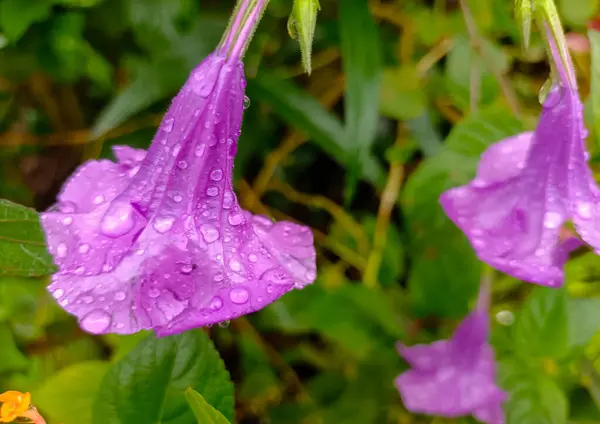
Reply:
x=425, y=357
x=504, y=160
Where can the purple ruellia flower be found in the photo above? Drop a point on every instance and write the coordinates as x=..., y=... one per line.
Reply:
x=529, y=185
x=455, y=377
x=157, y=240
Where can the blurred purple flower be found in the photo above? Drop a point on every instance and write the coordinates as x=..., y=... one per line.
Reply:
x=529, y=185
x=158, y=240
x=455, y=377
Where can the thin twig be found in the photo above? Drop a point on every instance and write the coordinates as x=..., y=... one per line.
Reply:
x=386, y=206
x=433, y=56
x=345, y=253
x=73, y=138
x=477, y=44
x=292, y=142
x=287, y=373
x=337, y=212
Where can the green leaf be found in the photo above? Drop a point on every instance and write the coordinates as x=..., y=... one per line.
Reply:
x=541, y=328
x=301, y=110
x=148, y=384
x=203, y=411
x=437, y=245
x=362, y=64
x=402, y=93
x=71, y=392
x=583, y=321
x=301, y=26
x=16, y=18
x=594, y=37
x=22, y=242
x=534, y=398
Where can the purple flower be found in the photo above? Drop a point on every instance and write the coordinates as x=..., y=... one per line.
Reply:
x=529, y=185
x=455, y=377
x=158, y=239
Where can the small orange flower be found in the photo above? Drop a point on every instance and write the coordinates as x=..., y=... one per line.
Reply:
x=14, y=404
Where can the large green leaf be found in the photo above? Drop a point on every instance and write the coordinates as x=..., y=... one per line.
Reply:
x=70, y=394
x=22, y=245
x=444, y=263
x=148, y=384
x=362, y=63
x=534, y=398
x=203, y=411
x=542, y=328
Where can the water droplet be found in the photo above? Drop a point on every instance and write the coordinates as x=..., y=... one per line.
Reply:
x=176, y=149
x=118, y=220
x=224, y=324
x=269, y=288
x=246, y=102
x=209, y=233
x=228, y=197
x=252, y=257
x=310, y=275
x=239, y=295
x=154, y=293
x=216, y=175
x=87, y=299
x=277, y=276
x=218, y=277
x=182, y=164
x=58, y=293
x=187, y=268
x=212, y=191
x=67, y=207
x=84, y=248
x=552, y=220
x=64, y=302
x=216, y=303
x=80, y=270
x=584, y=209
x=168, y=125
x=61, y=250
x=98, y=199
x=235, y=218
x=96, y=321
x=235, y=265
x=119, y=296
x=177, y=198
x=68, y=220
x=163, y=224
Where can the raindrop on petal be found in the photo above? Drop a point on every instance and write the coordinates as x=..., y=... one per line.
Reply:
x=216, y=303
x=239, y=295
x=216, y=175
x=96, y=322
x=168, y=125
x=209, y=233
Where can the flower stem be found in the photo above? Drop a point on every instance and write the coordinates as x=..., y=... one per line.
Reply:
x=243, y=23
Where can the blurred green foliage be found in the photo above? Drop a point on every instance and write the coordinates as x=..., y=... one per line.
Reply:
x=402, y=100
